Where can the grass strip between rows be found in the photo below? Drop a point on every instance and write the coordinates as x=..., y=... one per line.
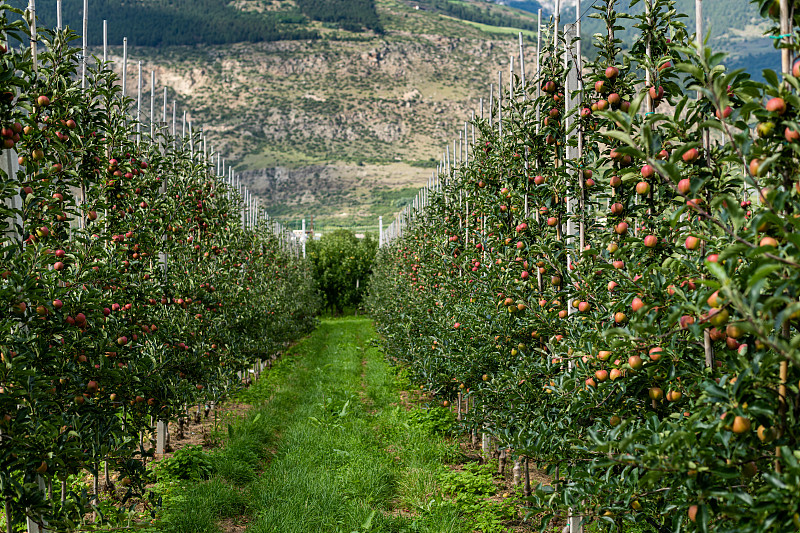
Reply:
x=326, y=447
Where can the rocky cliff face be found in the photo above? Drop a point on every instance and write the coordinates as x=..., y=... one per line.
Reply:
x=303, y=118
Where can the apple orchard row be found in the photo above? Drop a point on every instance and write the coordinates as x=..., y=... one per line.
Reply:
x=129, y=285
x=614, y=284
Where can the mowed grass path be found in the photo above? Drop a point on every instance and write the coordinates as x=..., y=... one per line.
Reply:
x=326, y=448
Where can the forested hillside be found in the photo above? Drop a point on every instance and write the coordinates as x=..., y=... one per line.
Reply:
x=475, y=12
x=176, y=22
x=733, y=26
x=194, y=22
x=350, y=15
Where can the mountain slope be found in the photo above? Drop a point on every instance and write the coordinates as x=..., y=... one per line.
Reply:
x=733, y=26
x=344, y=127
x=346, y=115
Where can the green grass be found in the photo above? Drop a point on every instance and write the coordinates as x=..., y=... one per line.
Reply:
x=325, y=449
x=495, y=29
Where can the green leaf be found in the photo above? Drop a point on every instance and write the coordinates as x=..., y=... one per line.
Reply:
x=770, y=77
x=622, y=137
x=762, y=272
x=718, y=271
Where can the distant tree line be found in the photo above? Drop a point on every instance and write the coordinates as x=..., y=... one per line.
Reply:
x=341, y=265
x=350, y=15
x=175, y=22
x=484, y=15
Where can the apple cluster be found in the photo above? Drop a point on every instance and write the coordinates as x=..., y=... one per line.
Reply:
x=626, y=314
x=130, y=289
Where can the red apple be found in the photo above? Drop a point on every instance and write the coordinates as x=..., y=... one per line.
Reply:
x=599, y=86
x=725, y=112
x=690, y=155
x=692, y=242
x=656, y=93
x=776, y=105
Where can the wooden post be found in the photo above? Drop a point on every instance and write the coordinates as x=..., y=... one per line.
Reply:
x=124, y=66
x=161, y=436
x=34, y=34
x=698, y=26
x=538, y=78
x=491, y=104
x=783, y=370
x=556, y=21
x=538, y=68
x=707, y=346
x=85, y=59
x=579, y=80
x=466, y=142
x=510, y=78
x=9, y=163
x=500, y=105
x=786, y=30
x=139, y=106
x=522, y=68
x=152, y=103
x=33, y=527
